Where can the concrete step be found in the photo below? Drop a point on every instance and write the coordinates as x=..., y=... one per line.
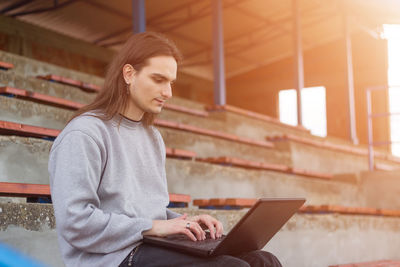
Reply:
x=207, y=146
x=317, y=158
x=45, y=87
x=27, y=112
x=31, y=229
x=380, y=189
x=24, y=160
x=31, y=68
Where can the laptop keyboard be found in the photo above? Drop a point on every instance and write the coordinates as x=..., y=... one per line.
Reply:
x=208, y=243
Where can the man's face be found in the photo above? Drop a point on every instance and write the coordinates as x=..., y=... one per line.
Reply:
x=151, y=86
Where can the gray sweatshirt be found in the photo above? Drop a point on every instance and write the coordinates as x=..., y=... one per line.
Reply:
x=107, y=185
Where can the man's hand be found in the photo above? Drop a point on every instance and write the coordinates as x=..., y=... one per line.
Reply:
x=178, y=225
x=215, y=226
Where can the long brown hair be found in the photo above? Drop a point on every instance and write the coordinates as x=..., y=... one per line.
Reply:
x=113, y=97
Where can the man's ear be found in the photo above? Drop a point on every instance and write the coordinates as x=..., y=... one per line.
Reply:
x=128, y=72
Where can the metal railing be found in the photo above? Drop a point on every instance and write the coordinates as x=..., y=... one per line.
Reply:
x=370, y=116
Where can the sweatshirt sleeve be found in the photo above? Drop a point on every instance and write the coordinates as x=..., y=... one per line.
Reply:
x=75, y=168
x=172, y=214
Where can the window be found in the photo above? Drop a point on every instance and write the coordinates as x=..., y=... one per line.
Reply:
x=313, y=108
x=392, y=34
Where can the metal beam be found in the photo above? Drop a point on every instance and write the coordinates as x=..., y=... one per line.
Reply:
x=218, y=52
x=138, y=16
x=298, y=58
x=349, y=80
x=15, y=6
x=370, y=132
x=42, y=10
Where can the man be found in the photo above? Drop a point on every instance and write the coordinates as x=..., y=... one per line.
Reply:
x=107, y=169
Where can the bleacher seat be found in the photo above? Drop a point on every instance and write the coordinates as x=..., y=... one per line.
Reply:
x=72, y=82
x=36, y=191
x=6, y=65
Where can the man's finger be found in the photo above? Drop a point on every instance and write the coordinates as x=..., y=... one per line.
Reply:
x=220, y=228
x=196, y=229
x=210, y=227
x=189, y=234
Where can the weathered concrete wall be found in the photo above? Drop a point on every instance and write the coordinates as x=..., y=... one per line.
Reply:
x=24, y=160
x=27, y=112
x=319, y=159
x=30, y=229
x=381, y=189
x=233, y=123
x=206, y=146
x=305, y=241
x=314, y=158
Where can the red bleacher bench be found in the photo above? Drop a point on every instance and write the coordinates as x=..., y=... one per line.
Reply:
x=12, y=128
x=43, y=190
x=239, y=203
x=321, y=209
x=41, y=98
x=24, y=190
x=68, y=81
x=224, y=203
x=6, y=65
x=380, y=263
x=179, y=153
x=236, y=162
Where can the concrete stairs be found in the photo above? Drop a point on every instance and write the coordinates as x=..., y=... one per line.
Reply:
x=306, y=240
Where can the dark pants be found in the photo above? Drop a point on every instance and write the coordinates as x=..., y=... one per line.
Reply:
x=152, y=256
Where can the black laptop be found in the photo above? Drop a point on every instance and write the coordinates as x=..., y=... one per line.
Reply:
x=252, y=232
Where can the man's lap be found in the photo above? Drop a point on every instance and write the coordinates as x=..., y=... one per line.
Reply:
x=153, y=256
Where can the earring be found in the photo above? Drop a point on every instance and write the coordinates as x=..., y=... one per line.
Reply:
x=127, y=89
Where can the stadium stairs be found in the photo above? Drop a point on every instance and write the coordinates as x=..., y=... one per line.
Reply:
x=214, y=154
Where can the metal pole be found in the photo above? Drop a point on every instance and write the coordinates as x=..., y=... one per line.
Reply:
x=298, y=59
x=350, y=80
x=218, y=53
x=138, y=16
x=370, y=133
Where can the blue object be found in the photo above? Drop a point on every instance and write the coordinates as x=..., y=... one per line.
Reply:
x=138, y=16
x=12, y=258
x=177, y=205
x=8, y=95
